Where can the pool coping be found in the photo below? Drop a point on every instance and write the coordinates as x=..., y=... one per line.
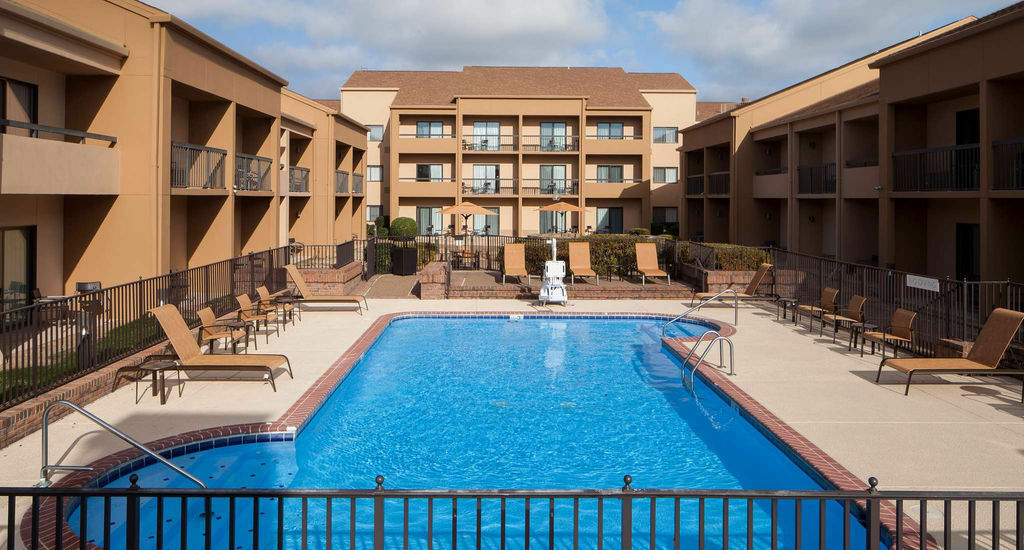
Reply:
x=297, y=416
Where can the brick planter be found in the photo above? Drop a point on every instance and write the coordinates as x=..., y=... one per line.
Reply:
x=330, y=281
x=432, y=281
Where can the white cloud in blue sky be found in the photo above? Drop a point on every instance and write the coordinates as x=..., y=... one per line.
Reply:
x=726, y=48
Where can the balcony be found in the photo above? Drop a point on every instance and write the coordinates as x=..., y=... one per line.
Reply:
x=695, y=185
x=425, y=143
x=1008, y=162
x=357, y=184
x=550, y=188
x=771, y=183
x=816, y=179
x=617, y=188
x=616, y=145
x=35, y=166
x=551, y=144
x=718, y=183
x=489, y=143
x=252, y=173
x=489, y=187
x=860, y=179
x=198, y=167
x=298, y=179
x=413, y=187
x=955, y=168
x=340, y=182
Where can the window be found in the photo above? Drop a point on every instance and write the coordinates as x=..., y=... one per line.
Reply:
x=17, y=266
x=609, y=220
x=19, y=101
x=486, y=178
x=429, y=129
x=665, y=134
x=486, y=225
x=429, y=172
x=486, y=136
x=666, y=214
x=374, y=172
x=665, y=175
x=609, y=130
x=552, y=136
x=609, y=173
x=372, y=212
x=552, y=222
x=376, y=132
x=428, y=218
x=552, y=179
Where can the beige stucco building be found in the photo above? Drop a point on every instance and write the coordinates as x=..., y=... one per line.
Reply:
x=513, y=139
x=135, y=144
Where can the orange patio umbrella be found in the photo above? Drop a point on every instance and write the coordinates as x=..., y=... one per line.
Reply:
x=467, y=209
x=561, y=206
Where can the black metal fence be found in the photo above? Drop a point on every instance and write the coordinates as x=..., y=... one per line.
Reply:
x=626, y=518
x=955, y=168
x=817, y=178
x=1008, y=164
x=56, y=340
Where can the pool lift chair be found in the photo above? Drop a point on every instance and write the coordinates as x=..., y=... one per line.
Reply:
x=553, y=289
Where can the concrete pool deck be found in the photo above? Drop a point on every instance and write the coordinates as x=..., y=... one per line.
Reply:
x=944, y=436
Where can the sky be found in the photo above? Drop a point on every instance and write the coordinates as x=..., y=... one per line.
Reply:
x=727, y=49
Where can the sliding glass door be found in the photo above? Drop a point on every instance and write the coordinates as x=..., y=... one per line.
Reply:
x=428, y=218
x=552, y=136
x=486, y=136
x=609, y=220
x=553, y=222
x=485, y=178
x=552, y=179
x=486, y=225
x=17, y=266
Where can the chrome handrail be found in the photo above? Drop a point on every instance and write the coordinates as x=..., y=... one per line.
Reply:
x=719, y=339
x=697, y=343
x=736, y=309
x=44, y=472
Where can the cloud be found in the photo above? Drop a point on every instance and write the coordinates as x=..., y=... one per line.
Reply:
x=749, y=49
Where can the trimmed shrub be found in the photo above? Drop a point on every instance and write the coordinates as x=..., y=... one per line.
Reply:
x=639, y=231
x=609, y=254
x=731, y=257
x=404, y=227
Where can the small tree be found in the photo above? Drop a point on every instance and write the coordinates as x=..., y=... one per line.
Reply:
x=404, y=227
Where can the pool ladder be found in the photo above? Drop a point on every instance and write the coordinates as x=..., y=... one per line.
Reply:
x=735, y=309
x=722, y=340
x=44, y=472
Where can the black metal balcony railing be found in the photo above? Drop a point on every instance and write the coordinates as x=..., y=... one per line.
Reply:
x=252, y=173
x=1008, y=161
x=488, y=143
x=615, y=137
x=340, y=181
x=427, y=135
x=624, y=181
x=566, y=187
x=35, y=129
x=695, y=185
x=816, y=178
x=489, y=186
x=939, y=169
x=551, y=144
x=357, y=184
x=197, y=167
x=771, y=171
x=861, y=163
x=718, y=183
x=298, y=179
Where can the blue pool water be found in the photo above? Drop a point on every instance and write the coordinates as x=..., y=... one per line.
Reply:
x=535, y=403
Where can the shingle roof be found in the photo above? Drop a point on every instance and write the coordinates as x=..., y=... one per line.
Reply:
x=831, y=103
x=661, y=81
x=708, y=109
x=604, y=86
x=330, y=103
x=954, y=33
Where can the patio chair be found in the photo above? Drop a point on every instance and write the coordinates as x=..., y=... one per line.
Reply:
x=747, y=294
x=852, y=313
x=990, y=346
x=308, y=297
x=579, y=262
x=194, y=362
x=900, y=329
x=827, y=304
x=211, y=331
x=267, y=304
x=647, y=263
x=514, y=263
x=248, y=313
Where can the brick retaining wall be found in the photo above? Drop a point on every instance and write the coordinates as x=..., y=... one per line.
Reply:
x=432, y=281
x=331, y=281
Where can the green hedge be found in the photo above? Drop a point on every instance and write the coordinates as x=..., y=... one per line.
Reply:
x=731, y=257
x=608, y=253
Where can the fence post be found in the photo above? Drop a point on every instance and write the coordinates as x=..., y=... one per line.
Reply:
x=873, y=522
x=627, y=514
x=132, y=516
x=252, y=274
x=378, y=514
x=963, y=317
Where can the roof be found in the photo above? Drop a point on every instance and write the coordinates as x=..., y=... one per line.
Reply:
x=708, y=109
x=999, y=17
x=857, y=94
x=603, y=86
x=334, y=104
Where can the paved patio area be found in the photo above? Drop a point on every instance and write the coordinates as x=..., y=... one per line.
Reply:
x=950, y=436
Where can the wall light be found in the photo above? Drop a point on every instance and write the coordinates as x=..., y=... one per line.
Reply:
x=810, y=219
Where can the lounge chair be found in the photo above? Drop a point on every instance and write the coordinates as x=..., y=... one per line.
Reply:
x=211, y=331
x=192, y=359
x=853, y=313
x=827, y=304
x=514, y=262
x=747, y=294
x=307, y=297
x=900, y=329
x=579, y=262
x=249, y=313
x=988, y=350
x=647, y=263
x=267, y=304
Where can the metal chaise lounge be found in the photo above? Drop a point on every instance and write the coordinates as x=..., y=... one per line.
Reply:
x=579, y=262
x=212, y=367
x=513, y=262
x=308, y=297
x=988, y=350
x=267, y=303
x=825, y=306
x=853, y=313
x=748, y=294
x=647, y=263
x=900, y=330
x=250, y=313
x=211, y=331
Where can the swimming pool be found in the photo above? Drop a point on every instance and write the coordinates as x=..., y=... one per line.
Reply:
x=500, y=403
